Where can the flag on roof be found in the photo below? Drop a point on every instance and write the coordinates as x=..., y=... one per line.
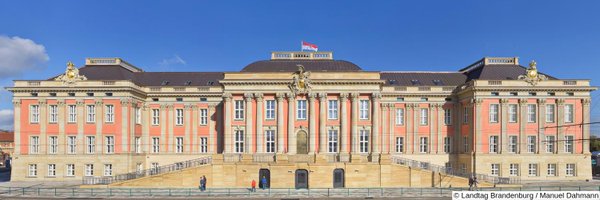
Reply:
x=309, y=46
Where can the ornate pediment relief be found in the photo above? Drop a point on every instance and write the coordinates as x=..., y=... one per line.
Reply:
x=71, y=75
x=301, y=82
x=532, y=76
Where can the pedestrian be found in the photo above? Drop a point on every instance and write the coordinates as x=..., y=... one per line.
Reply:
x=204, y=184
x=264, y=182
x=201, y=184
x=475, y=182
x=253, y=184
x=470, y=182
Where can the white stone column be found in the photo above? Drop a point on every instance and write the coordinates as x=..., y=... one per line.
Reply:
x=172, y=115
x=187, y=125
x=478, y=125
x=440, y=125
x=227, y=127
x=62, y=119
x=124, y=125
x=212, y=124
x=375, y=97
x=560, y=138
x=322, y=123
x=163, y=128
x=280, y=122
x=80, y=122
x=409, y=124
x=312, y=123
x=392, y=124
x=503, y=123
x=291, y=129
x=260, y=139
x=17, y=126
x=344, y=122
x=415, y=128
x=146, y=128
x=384, y=132
x=99, y=111
x=195, y=144
x=43, y=121
x=541, y=124
x=249, y=135
x=586, y=126
x=354, y=139
x=522, y=124
x=430, y=123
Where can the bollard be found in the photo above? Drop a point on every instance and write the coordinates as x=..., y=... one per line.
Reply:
x=39, y=190
x=92, y=190
x=327, y=192
x=348, y=192
x=169, y=191
x=72, y=191
x=368, y=192
x=579, y=188
x=9, y=189
x=288, y=191
x=23, y=189
x=149, y=192
x=54, y=191
x=189, y=192
x=228, y=191
x=269, y=191
x=129, y=191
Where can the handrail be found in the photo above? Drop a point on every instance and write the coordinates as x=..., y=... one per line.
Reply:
x=146, y=172
x=448, y=170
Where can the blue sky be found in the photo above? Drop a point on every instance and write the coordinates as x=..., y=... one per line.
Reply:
x=562, y=36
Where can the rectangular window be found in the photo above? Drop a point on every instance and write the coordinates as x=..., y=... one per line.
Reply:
x=332, y=109
x=513, y=170
x=70, y=169
x=53, y=114
x=239, y=141
x=570, y=170
x=494, y=113
x=89, y=170
x=179, y=117
x=569, y=113
x=155, y=145
x=569, y=144
x=301, y=109
x=332, y=141
x=108, y=170
x=154, y=167
x=531, y=113
x=463, y=168
x=90, y=142
x=270, y=141
x=270, y=109
x=447, y=144
x=32, y=170
x=448, y=117
x=551, y=170
x=34, y=111
x=363, y=141
x=179, y=145
x=364, y=109
x=466, y=115
x=155, y=117
x=465, y=144
x=203, y=116
x=239, y=109
x=550, y=113
x=400, y=116
x=71, y=144
x=399, y=144
x=495, y=170
x=423, y=145
x=53, y=144
x=494, y=144
x=203, y=145
x=51, y=169
x=533, y=169
x=138, y=116
x=34, y=145
x=512, y=113
x=138, y=168
x=91, y=114
x=138, y=145
x=424, y=116
x=512, y=144
x=531, y=144
x=110, y=144
x=72, y=114
x=550, y=144
x=110, y=114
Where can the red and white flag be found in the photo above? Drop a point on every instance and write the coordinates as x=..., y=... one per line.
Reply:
x=309, y=46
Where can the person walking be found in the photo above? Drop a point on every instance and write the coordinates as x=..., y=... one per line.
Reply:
x=253, y=184
x=200, y=187
x=205, y=181
x=264, y=182
x=475, y=182
x=470, y=183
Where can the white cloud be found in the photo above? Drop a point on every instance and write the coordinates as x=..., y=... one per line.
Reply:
x=18, y=55
x=175, y=60
x=6, y=119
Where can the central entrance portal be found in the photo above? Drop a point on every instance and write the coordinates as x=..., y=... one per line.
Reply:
x=267, y=175
x=302, y=143
x=301, y=179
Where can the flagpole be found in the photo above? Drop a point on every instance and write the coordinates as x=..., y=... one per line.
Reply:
x=301, y=43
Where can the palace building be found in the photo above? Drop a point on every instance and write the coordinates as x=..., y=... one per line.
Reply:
x=301, y=119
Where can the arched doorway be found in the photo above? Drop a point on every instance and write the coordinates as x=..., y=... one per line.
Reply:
x=338, y=178
x=301, y=179
x=264, y=173
x=301, y=142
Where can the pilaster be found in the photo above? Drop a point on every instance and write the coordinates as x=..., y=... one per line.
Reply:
x=195, y=144
x=560, y=138
x=280, y=132
x=541, y=119
x=291, y=130
x=385, y=148
x=99, y=111
x=187, y=124
x=146, y=128
x=478, y=115
x=586, y=126
x=375, y=97
x=62, y=119
x=322, y=123
x=354, y=129
x=125, y=102
x=344, y=122
x=17, y=125
x=392, y=124
x=80, y=122
x=249, y=147
x=227, y=127
x=409, y=124
x=440, y=124
x=212, y=124
x=260, y=139
x=43, y=121
x=312, y=123
x=503, y=126
x=522, y=125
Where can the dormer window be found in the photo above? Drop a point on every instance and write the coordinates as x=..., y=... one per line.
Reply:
x=415, y=82
x=165, y=83
x=188, y=83
x=438, y=82
x=392, y=82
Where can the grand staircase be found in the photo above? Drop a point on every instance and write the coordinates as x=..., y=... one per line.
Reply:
x=415, y=164
x=178, y=166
